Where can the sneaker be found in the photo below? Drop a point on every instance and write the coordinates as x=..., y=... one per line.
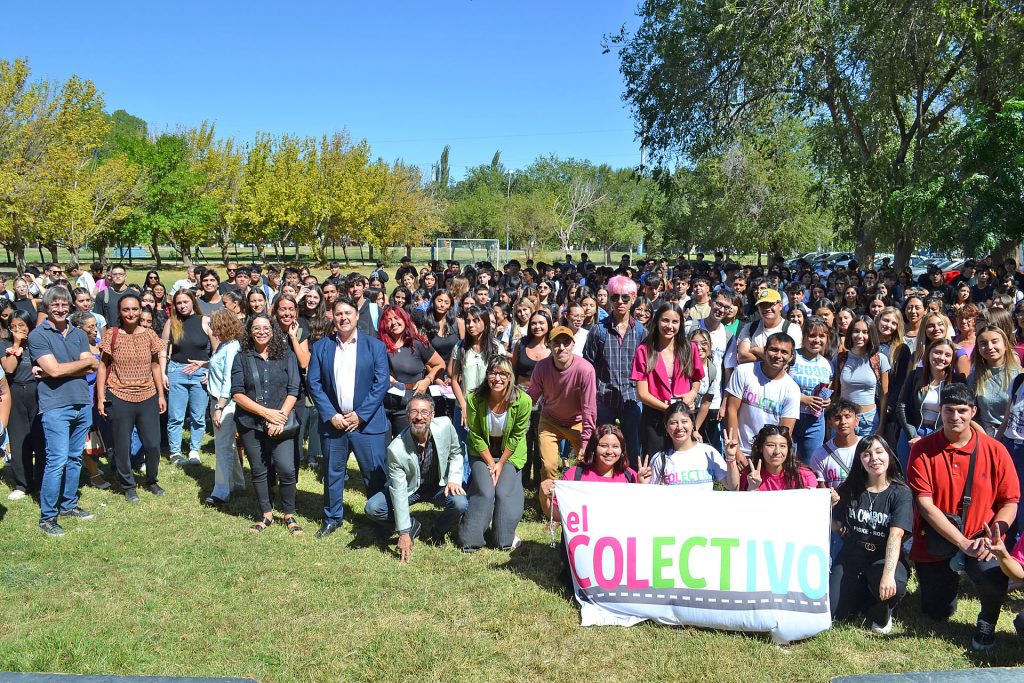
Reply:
x=16, y=494
x=51, y=528
x=1018, y=625
x=177, y=459
x=516, y=542
x=984, y=636
x=77, y=513
x=155, y=489
x=193, y=457
x=882, y=630
x=131, y=496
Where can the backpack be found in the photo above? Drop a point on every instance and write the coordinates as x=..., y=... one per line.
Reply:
x=841, y=358
x=758, y=324
x=578, y=475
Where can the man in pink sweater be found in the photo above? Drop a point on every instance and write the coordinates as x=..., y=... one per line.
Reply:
x=568, y=387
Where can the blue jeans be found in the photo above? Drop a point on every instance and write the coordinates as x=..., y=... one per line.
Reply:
x=187, y=391
x=629, y=423
x=867, y=422
x=369, y=450
x=1017, y=455
x=808, y=434
x=379, y=508
x=65, y=430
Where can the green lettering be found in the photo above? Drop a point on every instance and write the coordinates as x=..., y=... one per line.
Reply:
x=658, y=562
x=725, y=545
x=689, y=580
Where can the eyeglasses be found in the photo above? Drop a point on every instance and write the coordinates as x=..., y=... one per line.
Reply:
x=498, y=373
x=616, y=298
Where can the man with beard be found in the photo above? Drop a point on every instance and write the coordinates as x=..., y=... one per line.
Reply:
x=424, y=463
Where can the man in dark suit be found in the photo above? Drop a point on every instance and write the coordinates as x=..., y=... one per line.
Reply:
x=347, y=379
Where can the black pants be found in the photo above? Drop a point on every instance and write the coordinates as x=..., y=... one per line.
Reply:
x=144, y=416
x=531, y=470
x=25, y=431
x=939, y=586
x=853, y=586
x=262, y=452
x=653, y=438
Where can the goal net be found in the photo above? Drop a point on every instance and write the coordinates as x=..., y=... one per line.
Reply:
x=467, y=251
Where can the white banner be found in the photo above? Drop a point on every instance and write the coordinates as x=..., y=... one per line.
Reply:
x=743, y=561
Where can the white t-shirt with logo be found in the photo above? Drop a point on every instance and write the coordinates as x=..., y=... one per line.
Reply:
x=698, y=467
x=831, y=464
x=762, y=401
x=760, y=338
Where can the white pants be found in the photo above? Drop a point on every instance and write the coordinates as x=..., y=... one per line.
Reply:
x=228, y=475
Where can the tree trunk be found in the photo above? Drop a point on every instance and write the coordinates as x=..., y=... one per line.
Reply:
x=186, y=255
x=39, y=247
x=74, y=253
x=903, y=246
x=53, y=252
x=156, y=252
x=224, y=254
x=1006, y=248
x=19, y=257
x=344, y=251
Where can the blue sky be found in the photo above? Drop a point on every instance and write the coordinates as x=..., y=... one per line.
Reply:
x=522, y=76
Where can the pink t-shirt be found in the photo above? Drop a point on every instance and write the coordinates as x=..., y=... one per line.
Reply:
x=777, y=482
x=659, y=384
x=590, y=475
x=1018, y=551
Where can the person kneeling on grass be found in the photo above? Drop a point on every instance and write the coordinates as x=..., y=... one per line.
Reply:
x=692, y=463
x=1012, y=564
x=875, y=511
x=774, y=465
x=604, y=460
x=424, y=463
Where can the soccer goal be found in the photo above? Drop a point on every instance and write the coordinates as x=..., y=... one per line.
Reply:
x=467, y=251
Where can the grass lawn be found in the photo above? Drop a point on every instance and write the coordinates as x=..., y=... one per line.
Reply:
x=171, y=588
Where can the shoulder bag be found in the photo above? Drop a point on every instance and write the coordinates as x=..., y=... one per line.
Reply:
x=939, y=546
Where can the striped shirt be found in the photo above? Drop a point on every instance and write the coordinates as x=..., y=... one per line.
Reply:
x=611, y=354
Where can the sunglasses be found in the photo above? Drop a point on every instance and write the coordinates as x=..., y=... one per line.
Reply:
x=616, y=298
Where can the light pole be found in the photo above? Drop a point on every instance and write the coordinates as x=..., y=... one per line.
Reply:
x=508, y=229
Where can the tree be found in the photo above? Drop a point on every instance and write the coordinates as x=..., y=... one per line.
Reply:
x=616, y=221
x=400, y=211
x=532, y=220
x=882, y=81
x=219, y=165
x=573, y=205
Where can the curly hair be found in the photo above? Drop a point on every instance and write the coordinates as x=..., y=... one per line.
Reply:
x=277, y=347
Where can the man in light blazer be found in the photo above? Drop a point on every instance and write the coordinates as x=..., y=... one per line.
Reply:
x=347, y=379
x=424, y=464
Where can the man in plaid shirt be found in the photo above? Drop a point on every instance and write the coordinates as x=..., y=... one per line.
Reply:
x=610, y=348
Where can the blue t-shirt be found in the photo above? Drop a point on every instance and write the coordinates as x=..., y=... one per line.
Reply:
x=59, y=392
x=808, y=374
x=857, y=383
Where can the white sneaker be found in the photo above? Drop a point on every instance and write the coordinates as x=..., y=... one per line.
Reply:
x=16, y=494
x=882, y=630
x=193, y=457
x=516, y=542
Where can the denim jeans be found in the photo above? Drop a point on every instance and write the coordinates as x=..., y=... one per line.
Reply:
x=1016, y=449
x=227, y=473
x=369, y=450
x=808, y=434
x=187, y=391
x=867, y=422
x=65, y=430
x=379, y=508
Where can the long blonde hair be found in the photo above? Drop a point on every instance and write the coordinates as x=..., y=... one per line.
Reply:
x=922, y=335
x=982, y=370
x=177, y=322
x=896, y=343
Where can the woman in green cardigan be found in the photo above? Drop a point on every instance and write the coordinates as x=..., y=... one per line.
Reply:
x=497, y=417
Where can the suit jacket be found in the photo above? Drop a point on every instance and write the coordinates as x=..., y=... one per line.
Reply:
x=404, y=466
x=371, y=383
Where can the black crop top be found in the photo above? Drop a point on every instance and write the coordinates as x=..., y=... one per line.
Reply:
x=194, y=344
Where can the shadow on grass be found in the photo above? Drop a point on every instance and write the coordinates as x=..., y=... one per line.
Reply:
x=543, y=565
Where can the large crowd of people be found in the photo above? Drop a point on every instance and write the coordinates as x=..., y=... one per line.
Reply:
x=465, y=387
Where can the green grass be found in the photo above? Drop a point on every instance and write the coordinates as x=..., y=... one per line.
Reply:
x=171, y=588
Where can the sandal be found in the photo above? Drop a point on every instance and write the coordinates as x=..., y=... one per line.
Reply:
x=261, y=525
x=292, y=525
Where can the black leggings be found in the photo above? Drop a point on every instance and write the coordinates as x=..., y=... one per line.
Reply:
x=653, y=438
x=28, y=454
x=262, y=452
x=939, y=586
x=853, y=587
x=144, y=416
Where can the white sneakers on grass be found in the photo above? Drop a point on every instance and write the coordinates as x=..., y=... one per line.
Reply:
x=193, y=457
x=16, y=494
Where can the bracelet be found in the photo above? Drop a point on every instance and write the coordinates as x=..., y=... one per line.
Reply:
x=730, y=459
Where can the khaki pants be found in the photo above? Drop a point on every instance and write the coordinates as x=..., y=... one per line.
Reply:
x=549, y=435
